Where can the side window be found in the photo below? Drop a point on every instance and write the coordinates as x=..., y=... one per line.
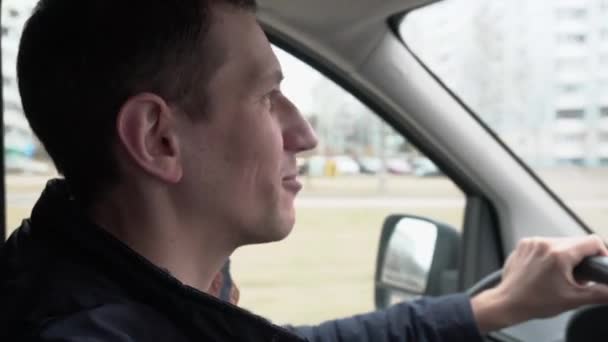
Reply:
x=541, y=85
x=361, y=172
x=27, y=166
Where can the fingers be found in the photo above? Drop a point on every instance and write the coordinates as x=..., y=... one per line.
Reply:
x=591, y=245
x=538, y=276
x=573, y=251
x=592, y=294
x=570, y=250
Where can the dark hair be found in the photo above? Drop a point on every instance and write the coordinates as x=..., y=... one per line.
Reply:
x=80, y=60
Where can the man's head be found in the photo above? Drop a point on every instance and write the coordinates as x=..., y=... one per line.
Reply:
x=172, y=99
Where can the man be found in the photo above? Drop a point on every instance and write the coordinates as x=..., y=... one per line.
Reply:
x=167, y=120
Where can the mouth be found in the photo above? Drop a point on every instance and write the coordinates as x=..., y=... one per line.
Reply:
x=291, y=184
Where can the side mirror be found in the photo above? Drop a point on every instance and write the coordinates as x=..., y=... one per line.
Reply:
x=417, y=257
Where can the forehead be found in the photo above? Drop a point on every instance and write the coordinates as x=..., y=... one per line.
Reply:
x=244, y=48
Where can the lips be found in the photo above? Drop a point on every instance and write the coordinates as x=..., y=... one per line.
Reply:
x=292, y=184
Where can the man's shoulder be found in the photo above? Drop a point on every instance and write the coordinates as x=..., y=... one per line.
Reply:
x=121, y=322
x=44, y=281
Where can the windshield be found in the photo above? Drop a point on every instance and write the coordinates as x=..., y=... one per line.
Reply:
x=537, y=73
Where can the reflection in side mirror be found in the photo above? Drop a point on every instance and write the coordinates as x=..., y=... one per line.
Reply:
x=416, y=257
x=409, y=255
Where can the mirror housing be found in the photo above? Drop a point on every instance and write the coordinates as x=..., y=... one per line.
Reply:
x=416, y=257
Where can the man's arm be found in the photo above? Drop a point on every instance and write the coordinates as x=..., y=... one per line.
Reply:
x=443, y=319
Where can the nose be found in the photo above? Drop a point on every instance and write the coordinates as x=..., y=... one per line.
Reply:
x=306, y=138
x=298, y=134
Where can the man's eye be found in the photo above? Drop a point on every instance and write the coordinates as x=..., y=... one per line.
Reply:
x=268, y=99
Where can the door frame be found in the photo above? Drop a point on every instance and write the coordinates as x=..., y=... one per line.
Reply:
x=3, y=182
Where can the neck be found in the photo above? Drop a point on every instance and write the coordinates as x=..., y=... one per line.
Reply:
x=193, y=252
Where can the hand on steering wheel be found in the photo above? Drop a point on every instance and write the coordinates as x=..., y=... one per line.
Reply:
x=538, y=281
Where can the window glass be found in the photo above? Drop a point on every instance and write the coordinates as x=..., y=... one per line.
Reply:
x=570, y=114
x=571, y=38
x=361, y=172
x=547, y=94
x=569, y=88
x=27, y=166
x=570, y=71
x=569, y=13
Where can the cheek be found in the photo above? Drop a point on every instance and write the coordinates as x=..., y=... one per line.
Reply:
x=257, y=147
x=243, y=151
x=239, y=171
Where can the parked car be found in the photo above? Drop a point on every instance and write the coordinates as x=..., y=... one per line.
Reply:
x=398, y=166
x=346, y=165
x=424, y=167
x=302, y=166
x=370, y=165
x=20, y=164
x=316, y=166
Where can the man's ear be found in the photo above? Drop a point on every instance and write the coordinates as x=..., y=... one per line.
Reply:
x=146, y=128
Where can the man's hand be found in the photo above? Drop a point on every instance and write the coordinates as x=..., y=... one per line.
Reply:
x=538, y=282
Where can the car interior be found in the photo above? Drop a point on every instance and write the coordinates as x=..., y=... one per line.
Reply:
x=356, y=44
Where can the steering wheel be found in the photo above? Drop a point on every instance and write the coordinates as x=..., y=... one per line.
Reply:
x=590, y=269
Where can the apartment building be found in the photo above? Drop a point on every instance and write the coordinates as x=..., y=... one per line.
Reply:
x=535, y=71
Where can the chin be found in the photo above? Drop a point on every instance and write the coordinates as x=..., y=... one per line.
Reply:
x=277, y=234
x=282, y=225
x=284, y=232
x=271, y=232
